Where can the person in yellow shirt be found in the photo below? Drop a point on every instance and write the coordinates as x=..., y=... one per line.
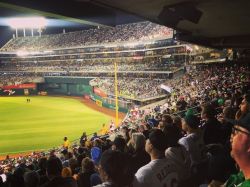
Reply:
x=66, y=143
x=104, y=129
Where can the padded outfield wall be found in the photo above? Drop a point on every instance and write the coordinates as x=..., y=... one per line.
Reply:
x=21, y=89
x=79, y=86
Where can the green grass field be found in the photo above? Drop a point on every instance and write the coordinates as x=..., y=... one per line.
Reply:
x=42, y=123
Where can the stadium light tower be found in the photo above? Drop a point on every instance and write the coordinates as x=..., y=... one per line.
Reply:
x=27, y=23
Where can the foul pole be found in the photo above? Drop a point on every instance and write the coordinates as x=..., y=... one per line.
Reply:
x=116, y=97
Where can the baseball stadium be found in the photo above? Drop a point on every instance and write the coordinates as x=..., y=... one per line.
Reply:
x=105, y=94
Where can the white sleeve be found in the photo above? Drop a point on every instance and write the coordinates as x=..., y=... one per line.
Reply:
x=184, y=141
x=140, y=179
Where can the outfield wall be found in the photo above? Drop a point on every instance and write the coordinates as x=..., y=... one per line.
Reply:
x=20, y=89
x=73, y=86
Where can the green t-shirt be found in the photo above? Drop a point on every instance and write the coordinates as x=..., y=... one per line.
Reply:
x=246, y=183
x=237, y=180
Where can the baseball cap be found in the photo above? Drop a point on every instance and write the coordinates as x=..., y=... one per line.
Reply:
x=189, y=112
x=242, y=122
x=158, y=139
x=192, y=121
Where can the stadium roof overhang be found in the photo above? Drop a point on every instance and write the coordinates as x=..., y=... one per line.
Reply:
x=215, y=23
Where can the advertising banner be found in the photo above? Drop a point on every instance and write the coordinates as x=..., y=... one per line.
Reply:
x=99, y=92
x=20, y=86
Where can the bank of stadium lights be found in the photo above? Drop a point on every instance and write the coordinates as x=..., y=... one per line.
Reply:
x=24, y=53
x=27, y=23
x=196, y=47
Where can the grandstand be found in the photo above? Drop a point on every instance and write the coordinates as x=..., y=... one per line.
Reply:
x=178, y=88
x=152, y=57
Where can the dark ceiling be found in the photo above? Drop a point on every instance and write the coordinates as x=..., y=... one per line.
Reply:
x=216, y=23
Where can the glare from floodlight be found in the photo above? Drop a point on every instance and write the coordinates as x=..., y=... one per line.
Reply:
x=22, y=53
x=196, y=47
x=28, y=22
x=48, y=51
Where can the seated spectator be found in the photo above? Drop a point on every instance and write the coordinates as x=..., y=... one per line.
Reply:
x=88, y=168
x=195, y=146
x=31, y=179
x=177, y=122
x=95, y=179
x=227, y=113
x=142, y=129
x=119, y=144
x=220, y=165
x=129, y=144
x=125, y=133
x=1, y=182
x=54, y=170
x=115, y=169
x=73, y=164
x=152, y=121
x=240, y=152
x=42, y=170
x=167, y=119
x=177, y=153
x=181, y=104
x=66, y=172
x=244, y=107
x=193, y=142
x=140, y=157
x=16, y=179
x=212, y=127
x=159, y=171
x=161, y=125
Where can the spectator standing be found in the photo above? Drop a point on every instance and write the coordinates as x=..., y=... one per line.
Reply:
x=66, y=143
x=96, y=152
x=83, y=139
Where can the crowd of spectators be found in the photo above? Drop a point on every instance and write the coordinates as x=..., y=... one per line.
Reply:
x=151, y=64
x=205, y=83
x=160, y=147
x=129, y=32
x=17, y=78
x=139, y=88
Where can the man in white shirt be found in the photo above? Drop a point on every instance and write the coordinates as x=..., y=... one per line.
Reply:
x=160, y=172
x=193, y=142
